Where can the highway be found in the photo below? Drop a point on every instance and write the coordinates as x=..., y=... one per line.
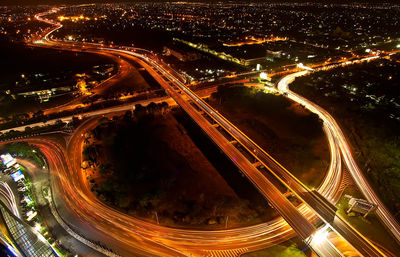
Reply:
x=173, y=87
x=318, y=204
x=190, y=95
x=302, y=227
x=124, y=69
x=114, y=109
x=9, y=198
x=132, y=236
x=224, y=235
x=196, y=242
x=321, y=206
x=385, y=216
x=305, y=229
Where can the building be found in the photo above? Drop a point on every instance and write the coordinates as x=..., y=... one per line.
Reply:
x=45, y=95
x=182, y=56
x=223, y=55
x=254, y=61
x=361, y=206
x=272, y=55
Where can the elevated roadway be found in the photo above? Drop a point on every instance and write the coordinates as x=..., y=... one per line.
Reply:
x=329, y=122
x=316, y=202
x=320, y=206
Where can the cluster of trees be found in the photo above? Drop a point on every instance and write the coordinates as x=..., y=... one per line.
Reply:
x=137, y=171
x=372, y=87
x=29, y=131
x=22, y=119
x=24, y=150
x=152, y=109
x=133, y=127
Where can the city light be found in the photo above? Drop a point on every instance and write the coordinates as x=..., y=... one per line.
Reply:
x=38, y=227
x=264, y=76
x=321, y=235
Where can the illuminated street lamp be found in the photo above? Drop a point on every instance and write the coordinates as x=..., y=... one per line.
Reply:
x=38, y=227
x=302, y=66
x=321, y=235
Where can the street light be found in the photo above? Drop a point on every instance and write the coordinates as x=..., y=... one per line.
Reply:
x=321, y=235
x=264, y=76
x=38, y=227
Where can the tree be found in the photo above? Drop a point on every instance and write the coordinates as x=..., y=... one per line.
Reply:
x=102, y=169
x=152, y=108
x=164, y=108
x=139, y=110
x=38, y=114
x=75, y=121
x=59, y=123
x=128, y=116
x=103, y=120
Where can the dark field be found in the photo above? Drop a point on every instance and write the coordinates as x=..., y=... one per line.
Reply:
x=41, y=69
x=290, y=134
x=20, y=59
x=158, y=161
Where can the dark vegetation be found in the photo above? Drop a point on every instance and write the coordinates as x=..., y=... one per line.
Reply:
x=25, y=69
x=370, y=226
x=138, y=80
x=286, y=131
x=24, y=150
x=14, y=109
x=146, y=164
x=365, y=101
x=29, y=131
x=288, y=248
x=93, y=103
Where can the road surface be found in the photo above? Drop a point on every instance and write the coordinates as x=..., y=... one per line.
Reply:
x=383, y=213
x=165, y=75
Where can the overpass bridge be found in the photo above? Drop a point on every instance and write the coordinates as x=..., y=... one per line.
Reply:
x=313, y=200
x=176, y=89
x=201, y=113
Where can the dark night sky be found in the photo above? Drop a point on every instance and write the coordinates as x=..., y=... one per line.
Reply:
x=35, y=2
